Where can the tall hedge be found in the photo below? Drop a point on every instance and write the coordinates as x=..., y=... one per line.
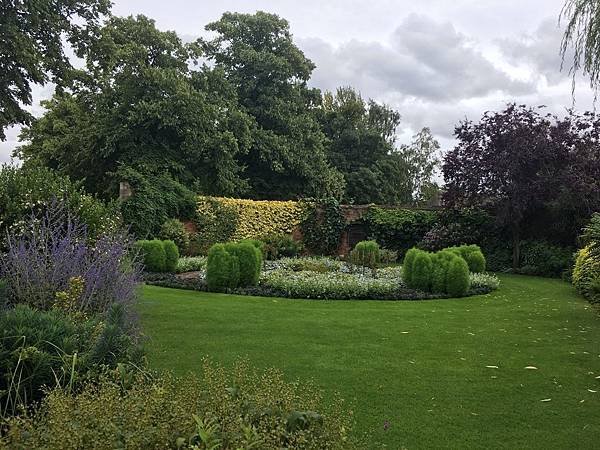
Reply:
x=222, y=269
x=407, y=266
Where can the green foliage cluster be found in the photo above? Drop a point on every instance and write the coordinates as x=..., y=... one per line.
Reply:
x=366, y=253
x=586, y=273
x=280, y=246
x=216, y=222
x=545, y=259
x=473, y=255
x=158, y=256
x=239, y=408
x=445, y=271
x=233, y=265
x=174, y=230
x=322, y=225
x=191, y=264
x=43, y=349
x=28, y=190
x=157, y=198
x=399, y=229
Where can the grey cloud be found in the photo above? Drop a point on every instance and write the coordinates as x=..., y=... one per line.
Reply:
x=424, y=59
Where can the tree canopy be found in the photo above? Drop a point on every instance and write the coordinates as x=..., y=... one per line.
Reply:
x=32, y=51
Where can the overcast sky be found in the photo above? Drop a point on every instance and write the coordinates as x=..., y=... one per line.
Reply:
x=436, y=61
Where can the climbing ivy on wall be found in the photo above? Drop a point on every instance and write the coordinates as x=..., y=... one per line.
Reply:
x=322, y=225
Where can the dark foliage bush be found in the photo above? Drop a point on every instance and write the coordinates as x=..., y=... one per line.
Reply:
x=153, y=255
x=174, y=230
x=280, y=246
x=42, y=349
x=42, y=261
x=399, y=229
x=457, y=227
x=222, y=269
x=250, y=262
x=545, y=259
x=457, y=278
x=322, y=225
x=157, y=198
x=171, y=256
x=407, y=266
x=421, y=271
x=365, y=253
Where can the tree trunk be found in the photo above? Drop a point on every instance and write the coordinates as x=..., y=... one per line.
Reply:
x=516, y=251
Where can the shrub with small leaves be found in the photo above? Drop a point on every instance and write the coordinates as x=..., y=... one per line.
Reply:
x=365, y=253
x=473, y=256
x=280, y=246
x=458, y=282
x=421, y=271
x=250, y=262
x=171, y=256
x=153, y=255
x=407, y=265
x=222, y=269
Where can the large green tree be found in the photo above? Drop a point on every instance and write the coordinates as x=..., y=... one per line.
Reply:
x=287, y=157
x=137, y=104
x=32, y=51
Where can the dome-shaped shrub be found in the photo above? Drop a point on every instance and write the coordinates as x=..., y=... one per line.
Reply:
x=171, y=256
x=457, y=282
x=421, y=271
x=222, y=269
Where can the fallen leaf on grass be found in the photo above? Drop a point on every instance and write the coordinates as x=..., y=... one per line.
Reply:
x=492, y=367
x=546, y=400
x=531, y=368
x=591, y=390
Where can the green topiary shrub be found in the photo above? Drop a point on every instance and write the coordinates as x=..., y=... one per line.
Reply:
x=473, y=256
x=171, y=256
x=421, y=271
x=222, y=269
x=258, y=244
x=250, y=262
x=174, y=230
x=407, y=265
x=366, y=253
x=153, y=255
x=457, y=282
x=439, y=275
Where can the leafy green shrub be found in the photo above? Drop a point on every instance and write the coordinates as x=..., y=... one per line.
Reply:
x=365, y=253
x=545, y=259
x=321, y=264
x=220, y=409
x=398, y=229
x=40, y=349
x=421, y=271
x=586, y=274
x=280, y=246
x=591, y=234
x=222, y=269
x=458, y=281
x=174, y=230
x=171, y=256
x=153, y=255
x=157, y=198
x=407, y=266
x=250, y=262
x=322, y=225
x=191, y=264
x=439, y=275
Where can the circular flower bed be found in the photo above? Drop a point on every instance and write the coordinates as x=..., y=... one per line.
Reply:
x=326, y=278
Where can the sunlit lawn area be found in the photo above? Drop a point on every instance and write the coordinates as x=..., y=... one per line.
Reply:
x=518, y=368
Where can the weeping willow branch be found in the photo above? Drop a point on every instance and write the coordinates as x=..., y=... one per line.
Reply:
x=582, y=34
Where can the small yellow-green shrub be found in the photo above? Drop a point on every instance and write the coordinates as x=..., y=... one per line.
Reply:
x=586, y=274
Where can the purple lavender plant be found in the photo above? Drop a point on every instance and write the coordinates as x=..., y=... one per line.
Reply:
x=55, y=248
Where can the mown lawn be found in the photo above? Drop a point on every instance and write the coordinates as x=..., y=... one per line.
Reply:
x=443, y=373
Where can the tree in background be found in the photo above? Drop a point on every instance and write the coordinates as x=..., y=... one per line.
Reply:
x=31, y=47
x=287, y=157
x=523, y=166
x=362, y=146
x=137, y=104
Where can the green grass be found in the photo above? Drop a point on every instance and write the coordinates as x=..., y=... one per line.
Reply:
x=419, y=365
